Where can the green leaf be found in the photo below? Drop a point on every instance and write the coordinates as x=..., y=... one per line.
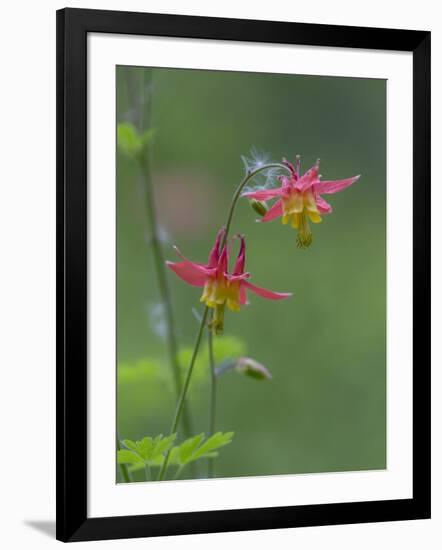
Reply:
x=195, y=448
x=150, y=450
x=145, y=448
x=130, y=141
x=188, y=448
x=214, y=442
x=130, y=444
x=162, y=445
x=154, y=463
x=174, y=456
x=125, y=456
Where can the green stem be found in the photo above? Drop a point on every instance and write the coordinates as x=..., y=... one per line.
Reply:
x=123, y=468
x=239, y=189
x=212, y=414
x=143, y=124
x=147, y=472
x=178, y=472
x=180, y=404
x=236, y=196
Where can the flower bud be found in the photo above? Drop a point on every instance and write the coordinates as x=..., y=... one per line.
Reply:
x=250, y=367
x=259, y=207
x=246, y=366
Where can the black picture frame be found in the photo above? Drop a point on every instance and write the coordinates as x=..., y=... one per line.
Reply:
x=73, y=25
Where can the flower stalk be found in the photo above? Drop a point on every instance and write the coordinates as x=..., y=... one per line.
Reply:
x=212, y=411
x=241, y=186
x=220, y=247
x=182, y=398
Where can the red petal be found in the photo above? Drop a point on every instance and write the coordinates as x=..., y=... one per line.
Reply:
x=264, y=293
x=242, y=295
x=193, y=274
x=214, y=253
x=334, y=186
x=241, y=259
x=274, y=212
x=322, y=205
x=309, y=178
x=223, y=262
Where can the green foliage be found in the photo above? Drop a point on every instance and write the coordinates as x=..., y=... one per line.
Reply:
x=128, y=457
x=148, y=369
x=142, y=370
x=131, y=142
x=195, y=448
x=147, y=451
x=151, y=451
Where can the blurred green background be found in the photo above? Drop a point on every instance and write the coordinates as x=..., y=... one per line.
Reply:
x=325, y=409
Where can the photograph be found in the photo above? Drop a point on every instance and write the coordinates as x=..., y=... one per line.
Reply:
x=218, y=262
x=250, y=274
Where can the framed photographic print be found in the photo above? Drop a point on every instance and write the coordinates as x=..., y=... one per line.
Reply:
x=243, y=286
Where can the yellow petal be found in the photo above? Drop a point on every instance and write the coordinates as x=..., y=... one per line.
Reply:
x=233, y=305
x=314, y=216
x=295, y=220
x=294, y=203
x=309, y=201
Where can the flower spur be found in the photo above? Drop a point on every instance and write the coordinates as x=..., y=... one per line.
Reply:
x=221, y=288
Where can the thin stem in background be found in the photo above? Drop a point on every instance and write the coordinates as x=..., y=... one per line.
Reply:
x=141, y=101
x=178, y=472
x=147, y=472
x=180, y=404
x=212, y=413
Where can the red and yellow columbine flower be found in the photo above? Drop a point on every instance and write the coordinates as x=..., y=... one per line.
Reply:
x=221, y=288
x=299, y=199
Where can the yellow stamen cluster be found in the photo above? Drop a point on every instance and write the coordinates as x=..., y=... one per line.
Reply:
x=219, y=292
x=298, y=208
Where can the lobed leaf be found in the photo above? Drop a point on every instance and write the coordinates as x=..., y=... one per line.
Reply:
x=195, y=448
x=130, y=444
x=125, y=456
x=214, y=442
x=145, y=448
x=162, y=444
x=130, y=141
x=149, y=450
